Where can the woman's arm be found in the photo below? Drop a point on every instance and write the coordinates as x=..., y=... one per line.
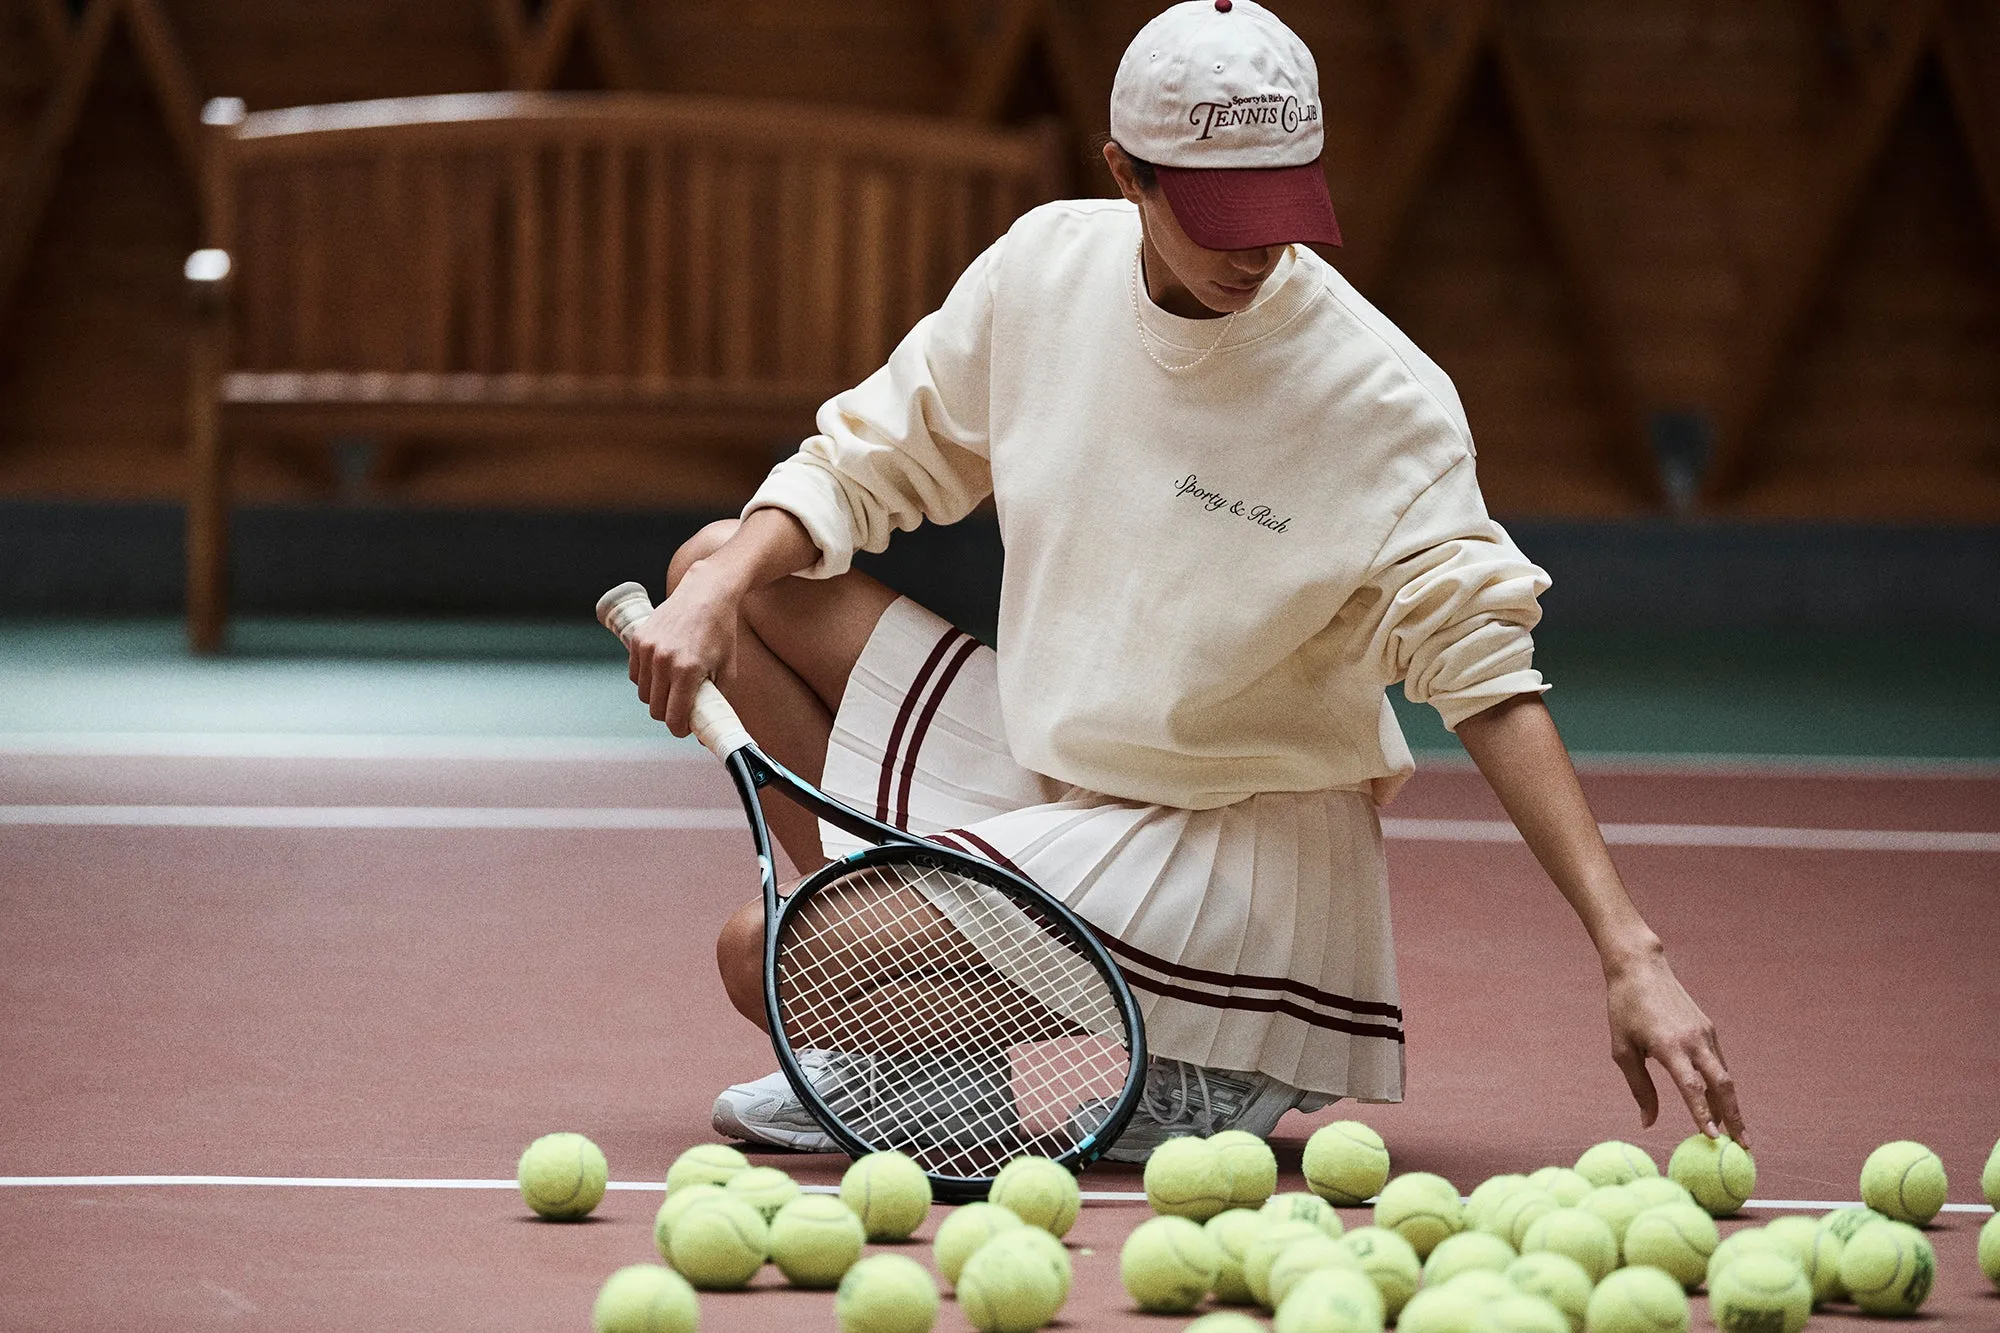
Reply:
x=1517, y=748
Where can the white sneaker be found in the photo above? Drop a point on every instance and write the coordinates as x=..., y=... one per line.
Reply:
x=965, y=1099
x=1186, y=1099
x=768, y=1111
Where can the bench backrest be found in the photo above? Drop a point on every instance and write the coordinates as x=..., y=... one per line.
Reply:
x=652, y=238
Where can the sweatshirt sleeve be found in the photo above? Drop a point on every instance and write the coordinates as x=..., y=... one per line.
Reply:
x=1455, y=601
x=909, y=443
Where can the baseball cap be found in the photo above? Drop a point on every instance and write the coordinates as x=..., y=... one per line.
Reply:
x=1223, y=98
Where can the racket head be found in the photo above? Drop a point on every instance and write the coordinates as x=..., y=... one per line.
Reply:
x=966, y=1016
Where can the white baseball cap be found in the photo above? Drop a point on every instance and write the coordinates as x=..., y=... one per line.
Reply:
x=1223, y=98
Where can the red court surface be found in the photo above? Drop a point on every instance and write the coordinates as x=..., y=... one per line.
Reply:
x=200, y=997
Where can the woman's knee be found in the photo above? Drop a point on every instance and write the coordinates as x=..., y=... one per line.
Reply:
x=703, y=544
x=739, y=957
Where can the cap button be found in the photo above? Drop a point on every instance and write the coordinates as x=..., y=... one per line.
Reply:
x=1222, y=6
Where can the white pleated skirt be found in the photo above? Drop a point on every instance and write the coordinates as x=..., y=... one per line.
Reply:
x=1255, y=936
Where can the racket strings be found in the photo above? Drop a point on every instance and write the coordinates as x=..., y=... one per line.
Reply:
x=961, y=1024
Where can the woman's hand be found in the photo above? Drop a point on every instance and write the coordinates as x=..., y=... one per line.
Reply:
x=1654, y=1018
x=689, y=638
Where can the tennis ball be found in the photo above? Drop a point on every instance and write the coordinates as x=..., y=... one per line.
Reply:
x=1844, y=1222
x=1049, y=1249
x=1263, y=1249
x=1466, y=1250
x=1310, y=1256
x=1567, y=1186
x=1184, y=1178
x=670, y=1210
x=562, y=1176
x=1641, y=1299
x=886, y=1293
x=1300, y=1207
x=705, y=1164
x=1345, y=1163
x=1011, y=1285
x=1446, y=1309
x=1249, y=1167
x=1488, y=1192
x=1719, y=1173
x=1763, y=1291
x=1168, y=1264
x=1675, y=1237
x=1989, y=1179
x=1989, y=1249
x=1615, y=1204
x=1522, y=1312
x=1904, y=1180
x=1329, y=1300
x=645, y=1298
x=1232, y=1232
x=1557, y=1279
x=719, y=1244
x=1224, y=1321
x=1888, y=1268
x=1615, y=1162
x=889, y=1193
x=1652, y=1191
x=1390, y=1261
x=1039, y=1191
x=1420, y=1207
x=815, y=1240
x=1518, y=1210
x=968, y=1227
x=1583, y=1236
x=1484, y=1284
x=765, y=1188
x=1739, y=1243
x=1818, y=1251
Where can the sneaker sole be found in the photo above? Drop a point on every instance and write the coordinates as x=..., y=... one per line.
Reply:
x=725, y=1121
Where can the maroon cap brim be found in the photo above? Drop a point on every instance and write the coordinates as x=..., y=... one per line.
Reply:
x=1242, y=208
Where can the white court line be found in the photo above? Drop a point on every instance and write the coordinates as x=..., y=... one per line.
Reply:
x=644, y=818
x=262, y=745
x=642, y=1186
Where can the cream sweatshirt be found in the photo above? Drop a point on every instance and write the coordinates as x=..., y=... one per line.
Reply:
x=1210, y=576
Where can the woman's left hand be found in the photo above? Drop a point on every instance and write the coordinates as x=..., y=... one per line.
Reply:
x=1654, y=1018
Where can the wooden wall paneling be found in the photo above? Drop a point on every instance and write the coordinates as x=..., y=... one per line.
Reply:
x=526, y=238
x=1968, y=42
x=1891, y=41
x=991, y=64
x=656, y=264
x=696, y=269
x=479, y=206
x=435, y=260
x=794, y=263
x=53, y=22
x=826, y=289
x=737, y=270
x=869, y=314
x=535, y=48
x=917, y=286
x=566, y=292
x=610, y=321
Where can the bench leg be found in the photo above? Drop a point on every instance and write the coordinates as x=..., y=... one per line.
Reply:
x=207, y=503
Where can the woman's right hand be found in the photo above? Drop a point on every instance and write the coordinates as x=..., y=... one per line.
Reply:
x=689, y=638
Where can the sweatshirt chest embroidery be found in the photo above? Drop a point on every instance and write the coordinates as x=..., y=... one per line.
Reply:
x=1212, y=501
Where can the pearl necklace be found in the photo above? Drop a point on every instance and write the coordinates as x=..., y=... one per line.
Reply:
x=1144, y=334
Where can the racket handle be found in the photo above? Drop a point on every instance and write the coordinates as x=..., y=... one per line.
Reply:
x=622, y=611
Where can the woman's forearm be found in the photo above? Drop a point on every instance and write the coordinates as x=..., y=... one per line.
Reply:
x=765, y=547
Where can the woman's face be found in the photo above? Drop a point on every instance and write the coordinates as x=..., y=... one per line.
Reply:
x=1182, y=277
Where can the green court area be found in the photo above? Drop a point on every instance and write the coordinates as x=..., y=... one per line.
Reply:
x=1878, y=696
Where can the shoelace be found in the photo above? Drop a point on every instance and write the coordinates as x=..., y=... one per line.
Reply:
x=1175, y=1102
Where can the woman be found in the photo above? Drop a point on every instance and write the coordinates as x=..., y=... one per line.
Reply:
x=1237, y=504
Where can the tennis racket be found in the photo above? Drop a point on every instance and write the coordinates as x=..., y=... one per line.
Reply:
x=943, y=1005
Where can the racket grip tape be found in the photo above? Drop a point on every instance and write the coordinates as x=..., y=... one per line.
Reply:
x=622, y=611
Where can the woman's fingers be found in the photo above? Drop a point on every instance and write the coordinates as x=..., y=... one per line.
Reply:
x=1632, y=1063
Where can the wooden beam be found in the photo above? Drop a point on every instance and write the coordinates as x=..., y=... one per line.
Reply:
x=546, y=43
x=990, y=73
x=160, y=55
x=1891, y=42
x=53, y=21
x=1968, y=45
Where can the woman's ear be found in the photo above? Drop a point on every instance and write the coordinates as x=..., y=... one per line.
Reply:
x=1123, y=173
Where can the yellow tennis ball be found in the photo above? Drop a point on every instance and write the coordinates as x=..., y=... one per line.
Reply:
x=1719, y=1173
x=886, y=1293
x=705, y=1164
x=1045, y=1245
x=1010, y=1285
x=1270, y=1241
x=1488, y=1192
x=1904, y=1180
x=1484, y=1284
x=1652, y=1191
x=1522, y=1312
x=1345, y=1163
x=1310, y=1256
x=765, y=1188
x=1327, y=1300
x=1422, y=1208
x=1761, y=1291
x=1446, y=1309
x=1249, y=1167
x=1518, y=1210
x=645, y=1298
x=1167, y=1264
x=1888, y=1268
x=1615, y=1162
x=1390, y=1262
x=1616, y=1205
x=1640, y=1299
x=815, y=1239
x=1844, y=1222
x=1580, y=1234
x=719, y=1244
x=1557, y=1279
x=1466, y=1250
x=1989, y=1249
x=1232, y=1232
x=1818, y=1251
x=889, y=1193
x=1739, y=1243
x=1039, y=1191
x=1224, y=1321
x=671, y=1209
x=1989, y=1179
x=1674, y=1237
x=1300, y=1207
x=1184, y=1178
x=1567, y=1187
x=964, y=1230
x=562, y=1176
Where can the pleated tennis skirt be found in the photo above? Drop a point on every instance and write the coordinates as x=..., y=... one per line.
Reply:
x=1255, y=936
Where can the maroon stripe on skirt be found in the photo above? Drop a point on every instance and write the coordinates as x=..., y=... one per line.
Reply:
x=910, y=698
x=944, y=680
x=1298, y=988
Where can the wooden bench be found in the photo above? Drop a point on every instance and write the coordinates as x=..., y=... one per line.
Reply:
x=510, y=267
